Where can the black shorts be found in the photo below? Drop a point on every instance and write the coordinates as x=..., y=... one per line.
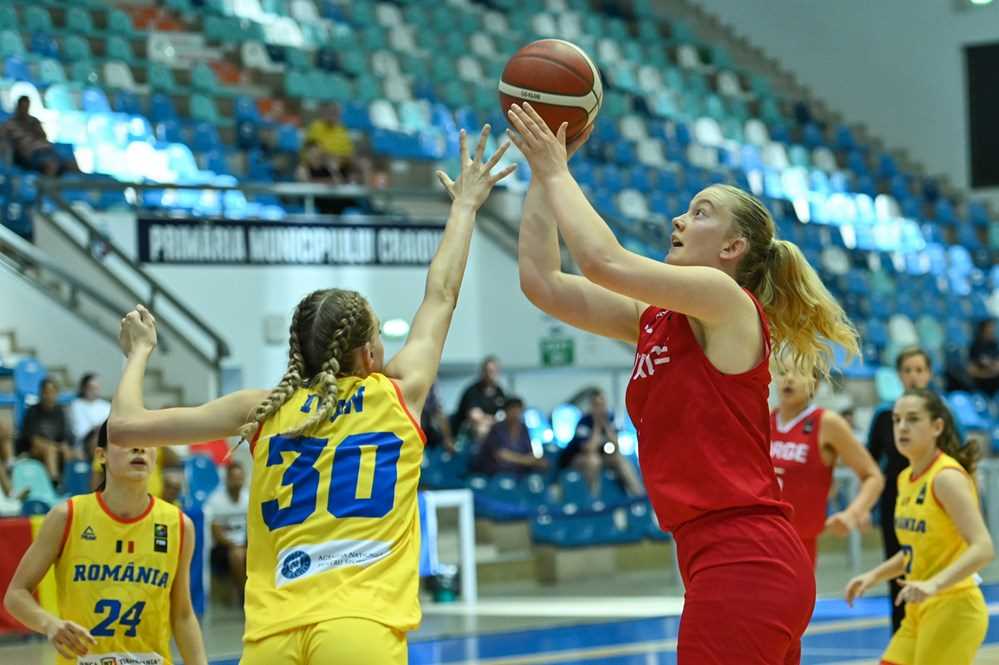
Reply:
x=220, y=560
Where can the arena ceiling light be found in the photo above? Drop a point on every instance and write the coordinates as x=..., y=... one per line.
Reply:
x=980, y=2
x=395, y=328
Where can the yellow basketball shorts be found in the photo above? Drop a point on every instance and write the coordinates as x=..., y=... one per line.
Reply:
x=947, y=628
x=347, y=641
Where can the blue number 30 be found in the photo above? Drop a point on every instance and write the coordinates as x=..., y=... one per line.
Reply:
x=303, y=477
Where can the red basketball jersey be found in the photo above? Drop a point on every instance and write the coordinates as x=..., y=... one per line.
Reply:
x=796, y=449
x=703, y=436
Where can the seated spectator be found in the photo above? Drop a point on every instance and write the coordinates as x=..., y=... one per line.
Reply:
x=226, y=511
x=333, y=140
x=435, y=424
x=30, y=146
x=45, y=433
x=479, y=403
x=594, y=448
x=6, y=443
x=983, y=358
x=507, y=447
x=88, y=411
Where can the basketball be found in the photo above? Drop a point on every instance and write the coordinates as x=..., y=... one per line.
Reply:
x=558, y=79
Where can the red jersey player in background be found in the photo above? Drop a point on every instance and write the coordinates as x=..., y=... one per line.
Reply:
x=701, y=322
x=805, y=443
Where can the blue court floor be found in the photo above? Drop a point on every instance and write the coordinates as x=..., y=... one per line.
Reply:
x=838, y=634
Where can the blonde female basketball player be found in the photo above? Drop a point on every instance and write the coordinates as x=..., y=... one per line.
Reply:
x=943, y=538
x=805, y=443
x=333, y=533
x=698, y=391
x=122, y=559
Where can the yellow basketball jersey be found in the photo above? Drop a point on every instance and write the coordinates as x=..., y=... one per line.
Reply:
x=927, y=535
x=114, y=578
x=333, y=525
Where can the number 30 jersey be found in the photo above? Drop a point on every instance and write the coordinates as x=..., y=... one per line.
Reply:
x=114, y=578
x=333, y=527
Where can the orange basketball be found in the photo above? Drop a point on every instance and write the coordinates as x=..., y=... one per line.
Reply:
x=558, y=79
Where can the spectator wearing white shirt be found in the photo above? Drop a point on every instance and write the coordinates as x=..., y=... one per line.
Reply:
x=226, y=511
x=88, y=410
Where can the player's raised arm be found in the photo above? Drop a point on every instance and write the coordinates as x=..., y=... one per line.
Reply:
x=415, y=366
x=570, y=298
x=132, y=424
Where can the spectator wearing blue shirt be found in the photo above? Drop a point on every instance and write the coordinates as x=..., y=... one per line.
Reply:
x=507, y=447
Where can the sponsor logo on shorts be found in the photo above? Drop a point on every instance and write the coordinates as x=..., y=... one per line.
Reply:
x=121, y=659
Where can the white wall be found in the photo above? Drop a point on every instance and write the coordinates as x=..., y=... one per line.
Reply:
x=493, y=317
x=895, y=65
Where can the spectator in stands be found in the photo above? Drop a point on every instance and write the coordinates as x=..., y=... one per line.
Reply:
x=334, y=141
x=45, y=432
x=507, y=448
x=88, y=411
x=915, y=372
x=6, y=443
x=983, y=358
x=594, y=448
x=30, y=146
x=173, y=485
x=480, y=402
x=435, y=423
x=226, y=511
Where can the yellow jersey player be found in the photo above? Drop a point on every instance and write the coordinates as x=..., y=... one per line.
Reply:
x=333, y=532
x=943, y=538
x=121, y=561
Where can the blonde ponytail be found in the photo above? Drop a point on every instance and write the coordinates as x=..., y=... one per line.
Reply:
x=804, y=317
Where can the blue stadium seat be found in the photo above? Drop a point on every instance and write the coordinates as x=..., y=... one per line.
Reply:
x=202, y=477
x=76, y=478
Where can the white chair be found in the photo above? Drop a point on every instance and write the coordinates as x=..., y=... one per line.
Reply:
x=544, y=25
x=118, y=75
x=388, y=15
x=255, y=56
x=385, y=64
x=824, y=159
x=414, y=115
x=608, y=51
x=756, y=132
x=775, y=156
x=284, y=31
x=570, y=26
x=22, y=89
x=649, y=79
x=482, y=44
x=835, y=260
x=469, y=68
x=707, y=131
x=556, y=6
x=886, y=208
x=382, y=114
x=633, y=128
x=728, y=84
x=248, y=9
x=495, y=22
x=304, y=11
x=688, y=57
x=160, y=48
x=397, y=88
x=632, y=204
x=401, y=39
x=703, y=156
x=650, y=152
x=901, y=331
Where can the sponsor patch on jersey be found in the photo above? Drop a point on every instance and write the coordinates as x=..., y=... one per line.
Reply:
x=304, y=561
x=160, y=538
x=809, y=426
x=119, y=658
x=88, y=534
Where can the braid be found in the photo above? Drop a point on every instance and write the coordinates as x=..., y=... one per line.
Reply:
x=290, y=382
x=352, y=330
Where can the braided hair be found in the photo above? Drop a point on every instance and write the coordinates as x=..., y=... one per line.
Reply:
x=327, y=326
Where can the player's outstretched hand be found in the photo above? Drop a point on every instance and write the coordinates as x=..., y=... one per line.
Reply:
x=545, y=152
x=138, y=331
x=475, y=180
x=915, y=591
x=70, y=639
x=856, y=587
